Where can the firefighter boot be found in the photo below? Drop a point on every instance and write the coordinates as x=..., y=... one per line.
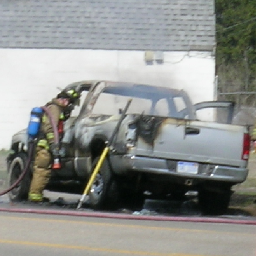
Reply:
x=40, y=180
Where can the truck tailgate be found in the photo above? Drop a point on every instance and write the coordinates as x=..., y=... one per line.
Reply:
x=195, y=141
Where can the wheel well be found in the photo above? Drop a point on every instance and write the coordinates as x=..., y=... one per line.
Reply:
x=17, y=147
x=96, y=147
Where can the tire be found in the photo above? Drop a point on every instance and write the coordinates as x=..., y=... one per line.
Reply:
x=16, y=167
x=104, y=193
x=132, y=200
x=213, y=202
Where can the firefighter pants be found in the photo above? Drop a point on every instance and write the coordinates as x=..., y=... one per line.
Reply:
x=41, y=174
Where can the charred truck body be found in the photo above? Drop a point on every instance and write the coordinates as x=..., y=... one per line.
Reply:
x=161, y=148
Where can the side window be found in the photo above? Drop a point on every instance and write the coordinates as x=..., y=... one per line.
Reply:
x=77, y=109
x=112, y=104
x=161, y=108
x=178, y=108
x=106, y=104
x=179, y=103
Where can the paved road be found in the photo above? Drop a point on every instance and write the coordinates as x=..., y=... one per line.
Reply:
x=39, y=234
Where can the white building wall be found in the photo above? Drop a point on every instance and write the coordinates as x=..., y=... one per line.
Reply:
x=30, y=77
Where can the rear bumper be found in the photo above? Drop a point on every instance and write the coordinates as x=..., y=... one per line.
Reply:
x=158, y=166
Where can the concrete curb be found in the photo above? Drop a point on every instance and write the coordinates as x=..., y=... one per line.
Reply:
x=82, y=213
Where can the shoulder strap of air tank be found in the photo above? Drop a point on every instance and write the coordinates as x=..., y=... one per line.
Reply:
x=54, y=126
x=50, y=103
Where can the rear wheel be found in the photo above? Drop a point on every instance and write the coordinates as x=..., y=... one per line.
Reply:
x=104, y=193
x=16, y=167
x=214, y=202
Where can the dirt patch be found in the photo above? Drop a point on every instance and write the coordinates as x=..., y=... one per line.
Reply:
x=243, y=204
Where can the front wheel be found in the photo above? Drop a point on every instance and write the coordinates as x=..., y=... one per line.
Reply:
x=104, y=193
x=16, y=167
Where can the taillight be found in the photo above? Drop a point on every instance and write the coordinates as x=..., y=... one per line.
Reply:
x=246, y=146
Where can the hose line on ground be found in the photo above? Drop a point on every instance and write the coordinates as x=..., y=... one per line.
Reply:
x=31, y=145
x=23, y=173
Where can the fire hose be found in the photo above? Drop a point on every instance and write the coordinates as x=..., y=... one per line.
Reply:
x=31, y=147
x=22, y=175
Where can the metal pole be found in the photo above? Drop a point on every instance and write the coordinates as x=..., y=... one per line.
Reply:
x=103, y=156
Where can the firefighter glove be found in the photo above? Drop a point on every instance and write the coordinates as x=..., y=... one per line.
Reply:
x=54, y=148
x=62, y=152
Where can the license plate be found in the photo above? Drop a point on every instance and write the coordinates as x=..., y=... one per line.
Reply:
x=187, y=167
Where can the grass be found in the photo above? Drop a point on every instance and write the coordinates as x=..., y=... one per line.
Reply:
x=4, y=152
x=3, y=167
x=249, y=183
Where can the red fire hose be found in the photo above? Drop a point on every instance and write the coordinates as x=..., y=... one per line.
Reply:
x=31, y=146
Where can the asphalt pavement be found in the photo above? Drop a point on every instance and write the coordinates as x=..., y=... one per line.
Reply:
x=48, y=234
x=66, y=204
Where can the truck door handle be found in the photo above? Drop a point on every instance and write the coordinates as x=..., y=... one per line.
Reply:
x=191, y=130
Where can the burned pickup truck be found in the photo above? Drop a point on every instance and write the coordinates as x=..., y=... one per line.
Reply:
x=162, y=150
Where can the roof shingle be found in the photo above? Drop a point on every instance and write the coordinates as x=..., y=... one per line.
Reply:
x=108, y=24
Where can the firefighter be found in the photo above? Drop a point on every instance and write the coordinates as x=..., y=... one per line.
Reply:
x=46, y=149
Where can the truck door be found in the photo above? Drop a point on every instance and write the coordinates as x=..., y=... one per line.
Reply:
x=218, y=111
